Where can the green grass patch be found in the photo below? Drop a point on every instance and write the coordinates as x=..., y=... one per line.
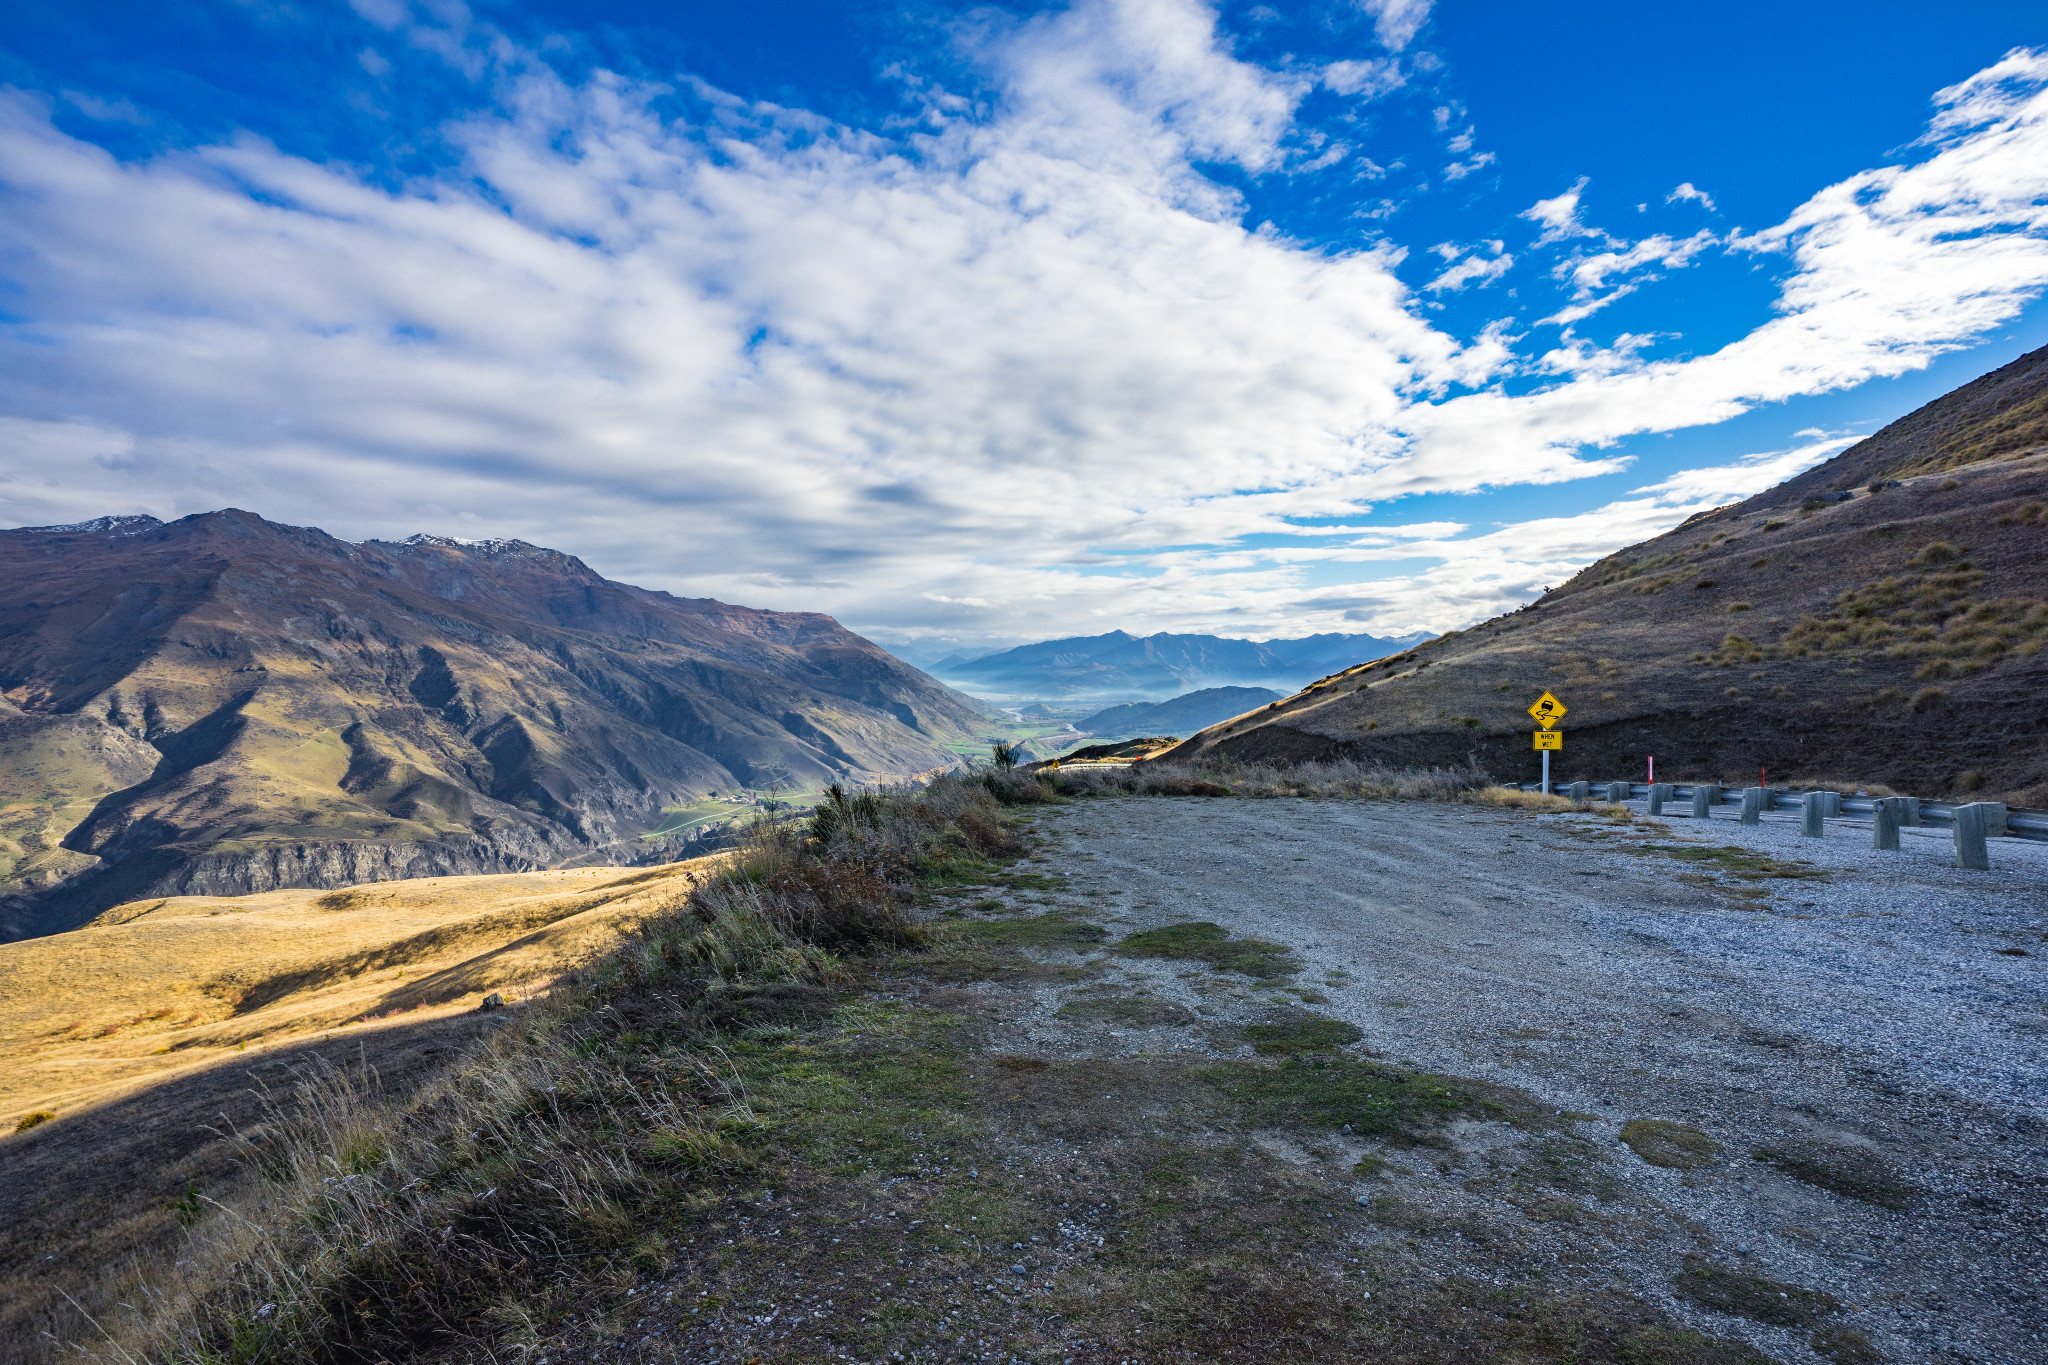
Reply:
x=1135, y=1011
x=1308, y=1033
x=1741, y=1294
x=677, y=819
x=882, y=1089
x=1854, y=1172
x=1058, y=929
x=1739, y=862
x=1325, y=1093
x=1031, y=881
x=1664, y=1143
x=1202, y=941
x=955, y=867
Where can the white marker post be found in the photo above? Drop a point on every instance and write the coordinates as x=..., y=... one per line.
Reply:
x=1546, y=772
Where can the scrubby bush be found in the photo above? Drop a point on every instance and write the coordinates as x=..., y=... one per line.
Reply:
x=1332, y=778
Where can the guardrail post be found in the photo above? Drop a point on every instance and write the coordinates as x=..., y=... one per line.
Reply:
x=1909, y=811
x=1752, y=805
x=1884, y=824
x=1994, y=818
x=1704, y=798
x=1579, y=791
x=1617, y=792
x=1813, y=809
x=1660, y=792
x=1971, y=823
x=1833, y=802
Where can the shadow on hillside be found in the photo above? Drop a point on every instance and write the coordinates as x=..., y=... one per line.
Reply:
x=93, y=1200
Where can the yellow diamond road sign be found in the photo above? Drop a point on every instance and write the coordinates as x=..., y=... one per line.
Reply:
x=1550, y=739
x=1548, y=710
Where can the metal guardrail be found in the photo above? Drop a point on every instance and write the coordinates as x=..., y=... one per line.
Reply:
x=2020, y=822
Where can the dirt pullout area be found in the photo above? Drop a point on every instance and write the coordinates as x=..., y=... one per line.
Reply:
x=1805, y=1079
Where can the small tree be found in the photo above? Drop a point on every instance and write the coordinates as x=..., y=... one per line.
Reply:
x=1005, y=755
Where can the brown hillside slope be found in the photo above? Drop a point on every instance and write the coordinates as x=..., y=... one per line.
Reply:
x=1840, y=626
x=224, y=705
x=153, y=1032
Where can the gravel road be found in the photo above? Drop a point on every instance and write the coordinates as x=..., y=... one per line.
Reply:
x=1882, y=1013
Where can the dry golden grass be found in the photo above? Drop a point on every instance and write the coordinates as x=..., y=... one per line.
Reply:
x=159, y=987
x=1511, y=799
x=149, y=1038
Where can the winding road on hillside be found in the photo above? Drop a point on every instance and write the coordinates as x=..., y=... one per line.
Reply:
x=1834, y=1018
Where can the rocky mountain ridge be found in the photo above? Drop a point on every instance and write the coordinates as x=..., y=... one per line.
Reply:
x=222, y=705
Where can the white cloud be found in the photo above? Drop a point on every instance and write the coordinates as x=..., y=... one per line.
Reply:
x=1474, y=269
x=1396, y=22
x=1688, y=192
x=1560, y=216
x=1589, y=275
x=1889, y=269
x=1482, y=576
x=1369, y=78
x=1458, y=170
x=105, y=110
x=1018, y=364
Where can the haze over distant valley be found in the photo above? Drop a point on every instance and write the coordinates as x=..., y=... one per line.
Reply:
x=1118, y=665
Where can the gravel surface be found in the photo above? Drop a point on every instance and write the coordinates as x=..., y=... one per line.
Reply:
x=1879, y=1016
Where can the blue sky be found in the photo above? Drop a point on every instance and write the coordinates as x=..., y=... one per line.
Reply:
x=973, y=324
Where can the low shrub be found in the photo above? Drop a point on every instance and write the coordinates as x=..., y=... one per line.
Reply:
x=1328, y=779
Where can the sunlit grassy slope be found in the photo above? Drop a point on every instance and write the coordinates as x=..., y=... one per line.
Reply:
x=157, y=987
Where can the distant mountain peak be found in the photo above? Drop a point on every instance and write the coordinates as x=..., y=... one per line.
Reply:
x=113, y=526
x=1120, y=665
x=493, y=546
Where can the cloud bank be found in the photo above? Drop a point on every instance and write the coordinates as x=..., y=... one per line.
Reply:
x=1011, y=368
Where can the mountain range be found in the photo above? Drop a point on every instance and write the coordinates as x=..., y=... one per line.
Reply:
x=1878, y=618
x=1180, y=716
x=1121, y=666
x=224, y=705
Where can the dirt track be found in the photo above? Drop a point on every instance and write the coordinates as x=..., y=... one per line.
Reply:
x=1869, y=1020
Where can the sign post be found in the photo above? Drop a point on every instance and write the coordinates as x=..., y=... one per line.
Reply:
x=1548, y=711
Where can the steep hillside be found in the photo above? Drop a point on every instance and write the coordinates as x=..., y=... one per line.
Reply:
x=1159, y=666
x=1877, y=619
x=223, y=705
